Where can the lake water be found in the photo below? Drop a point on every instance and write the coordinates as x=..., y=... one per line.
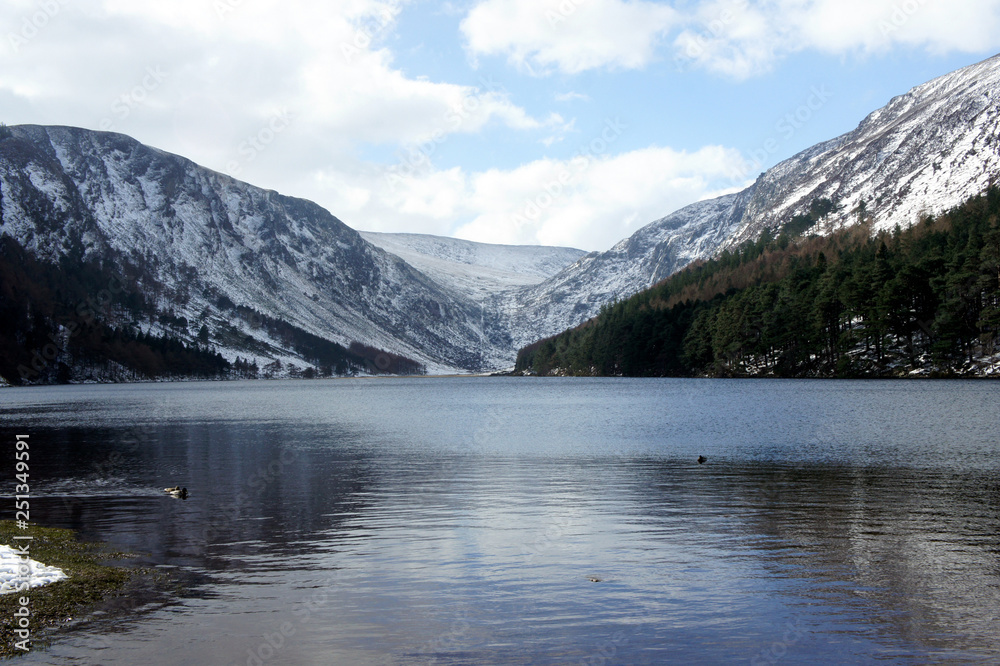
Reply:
x=460, y=521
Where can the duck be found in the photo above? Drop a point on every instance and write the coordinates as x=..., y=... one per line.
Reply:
x=177, y=492
x=702, y=460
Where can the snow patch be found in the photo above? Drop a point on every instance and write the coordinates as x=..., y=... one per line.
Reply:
x=15, y=571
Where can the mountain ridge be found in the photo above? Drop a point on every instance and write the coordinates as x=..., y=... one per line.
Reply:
x=476, y=270
x=205, y=241
x=203, y=235
x=953, y=118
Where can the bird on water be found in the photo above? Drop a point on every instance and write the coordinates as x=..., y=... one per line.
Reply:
x=702, y=460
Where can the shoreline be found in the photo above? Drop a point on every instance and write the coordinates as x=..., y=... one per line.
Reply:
x=91, y=581
x=930, y=377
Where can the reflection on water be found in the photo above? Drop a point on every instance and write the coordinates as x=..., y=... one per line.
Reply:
x=461, y=521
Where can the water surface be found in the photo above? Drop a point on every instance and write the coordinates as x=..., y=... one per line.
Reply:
x=458, y=521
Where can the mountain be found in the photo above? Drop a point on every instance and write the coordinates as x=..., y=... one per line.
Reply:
x=477, y=271
x=210, y=249
x=924, y=301
x=231, y=269
x=925, y=152
x=653, y=253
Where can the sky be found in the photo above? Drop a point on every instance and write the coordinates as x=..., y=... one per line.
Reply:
x=554, y=122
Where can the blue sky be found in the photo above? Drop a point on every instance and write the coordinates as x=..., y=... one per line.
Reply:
x=561, y=122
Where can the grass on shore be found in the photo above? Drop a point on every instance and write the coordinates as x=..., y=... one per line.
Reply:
x=90, y=581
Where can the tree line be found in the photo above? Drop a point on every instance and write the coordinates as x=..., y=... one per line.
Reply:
x=851, y=304
x=65, y=322
x=80, y=320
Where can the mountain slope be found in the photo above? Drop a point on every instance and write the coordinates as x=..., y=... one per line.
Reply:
x=925, y=301
x=205, y=239
x=256, y=270
x=925, y=152
x=475, y=270
x=653, y=253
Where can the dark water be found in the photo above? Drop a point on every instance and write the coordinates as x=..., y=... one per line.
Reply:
x=459, y=521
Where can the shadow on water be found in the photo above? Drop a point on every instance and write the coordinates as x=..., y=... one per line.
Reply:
x=251, y=489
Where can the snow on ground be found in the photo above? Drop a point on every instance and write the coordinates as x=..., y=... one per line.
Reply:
x=212, y=236
x=14, y=572
x=476, y=270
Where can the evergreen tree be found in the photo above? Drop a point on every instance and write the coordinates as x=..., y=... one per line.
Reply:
x=848, y=304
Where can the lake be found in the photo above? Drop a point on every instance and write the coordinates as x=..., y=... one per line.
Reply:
x=466, y=520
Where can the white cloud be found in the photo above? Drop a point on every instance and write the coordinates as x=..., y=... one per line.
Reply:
x=572, y=97
x=877, y=25
x=590, y=201
x=227, y=68
x=740, y=39
x=571, y=36
x=292, y=95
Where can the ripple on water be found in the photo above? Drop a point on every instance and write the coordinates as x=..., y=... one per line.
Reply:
x=463, y=521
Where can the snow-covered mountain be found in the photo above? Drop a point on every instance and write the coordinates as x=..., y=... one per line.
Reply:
x=478, y=271
x=208, y=244
x=925, y=152
x=653, y=253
